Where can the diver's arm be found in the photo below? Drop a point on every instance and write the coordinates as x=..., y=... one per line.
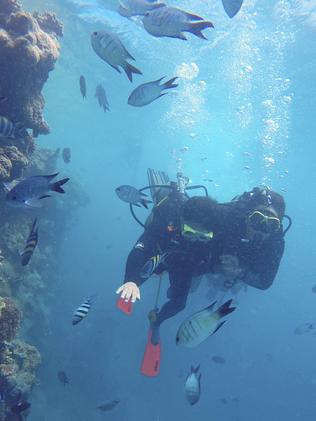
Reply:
x=264, y=264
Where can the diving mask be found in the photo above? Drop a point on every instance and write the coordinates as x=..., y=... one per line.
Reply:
x=266, y=224
x=195, y=235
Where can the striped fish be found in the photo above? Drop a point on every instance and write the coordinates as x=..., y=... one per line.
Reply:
x=82, y=311
x=30, y=245
x=151, y=265
x=7, y=128
x=202, y=324
x=193, y=386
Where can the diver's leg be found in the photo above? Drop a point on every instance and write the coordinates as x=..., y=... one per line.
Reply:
x=180, y=283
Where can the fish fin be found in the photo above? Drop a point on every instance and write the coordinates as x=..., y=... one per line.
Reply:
x=33, y=225
x=232, y=7
x=129, y=70
x=180, y=36
x=33, y=203
x=225, y=309
x=8, y=185
x=44, y=196
x=219, y=326
x=49, y=177
x=144, y=194
x=155, y=6
x=124, y=11
x=191, y=16
x=211, y=306
x=57, y=186
x=159, y=80
x=161, y=95
x=145, y=202
x=196, y=28
x=115, y=68
x=137, y=204
x=196, y=369
x=169, y=84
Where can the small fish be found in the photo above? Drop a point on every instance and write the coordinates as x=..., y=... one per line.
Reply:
x=62, y=377
x=129, y=8
x=223, y=400
x=31, y=190
x=193, y=386
x=11, y=130
x=3, y=98
x=30, y=245
x=102, y=99
x=108, y=406
x=82, y=311
x=232, y=7
x=198, y=327
x=172, y=22
x=209, y=180
x=314, y=289
x=218, y=360
x=83, y=86
x=66, y=154
x=20, y=406
x=304, y=328
x=151, y=265
x=133, y=196
x=109, y=48
x=148, y=92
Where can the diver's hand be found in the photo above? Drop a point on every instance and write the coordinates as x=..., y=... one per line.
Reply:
x=230, y=266
x=129, y=291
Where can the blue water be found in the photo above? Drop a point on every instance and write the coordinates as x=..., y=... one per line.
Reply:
x=246, y=102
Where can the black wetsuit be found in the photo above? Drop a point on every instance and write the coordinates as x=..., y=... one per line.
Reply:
x=259, y=258
x=184, y=260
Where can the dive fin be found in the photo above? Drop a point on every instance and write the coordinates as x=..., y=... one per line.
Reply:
x=196, y=28
x=125, y=306
x=129, y=70
x=57, y=186
x=151, y=360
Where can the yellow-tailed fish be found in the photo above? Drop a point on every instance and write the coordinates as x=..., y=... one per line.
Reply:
x=202, y=324
x=30, y=245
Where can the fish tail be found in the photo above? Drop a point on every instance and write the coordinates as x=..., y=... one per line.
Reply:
x=57, y=186
x=225, y=309
x=129, y=70
x=196, y=369
x=196, y=28
x=169, y=84
x=145, y=202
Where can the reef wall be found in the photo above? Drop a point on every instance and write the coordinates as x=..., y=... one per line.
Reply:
x=29, y=48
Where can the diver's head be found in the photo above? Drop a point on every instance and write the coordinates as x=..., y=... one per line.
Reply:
x=266, y=217
x=199, y=218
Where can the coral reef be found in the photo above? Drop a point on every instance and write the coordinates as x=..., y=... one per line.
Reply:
x=10, y=317
x=28, y=52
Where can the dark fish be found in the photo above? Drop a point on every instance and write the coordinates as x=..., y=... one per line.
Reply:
x=304, y=328
x=83, y=86
x=81, y=311
x=218, y=360
x=3, y=98
x=11, y=130
x=62, y=377
x=172, y=22
x=30, y=245
x=20, y=406
x=31, y=190
x=223, y=400
x=108, y=406
x=151, y=265
x=193, y=386
x=133, y=196
x=232, y=7
x=66, y=154
x=198, y=327
x=102, y=99
x=109, y=48
x=314, y=289
x=148, y=92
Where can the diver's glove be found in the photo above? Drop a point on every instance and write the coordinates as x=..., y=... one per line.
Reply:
x=129, y=291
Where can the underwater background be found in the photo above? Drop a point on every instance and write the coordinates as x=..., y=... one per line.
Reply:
x=242, y=116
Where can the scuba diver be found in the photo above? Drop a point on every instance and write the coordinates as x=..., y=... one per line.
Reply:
x=243, y=240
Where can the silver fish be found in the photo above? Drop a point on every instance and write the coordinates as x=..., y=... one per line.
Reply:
x=129, y=8
x=31, y=190
x=110, y=49
x=83, y=86
x=232, y=7
x=81, y=311
x=198, y=327
x=11, y=130
x=30, y=245
x=304, y=328
x=148, y=92
x=133, y=196
x=172, y=22
x=193, y=386
x=100, y=94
